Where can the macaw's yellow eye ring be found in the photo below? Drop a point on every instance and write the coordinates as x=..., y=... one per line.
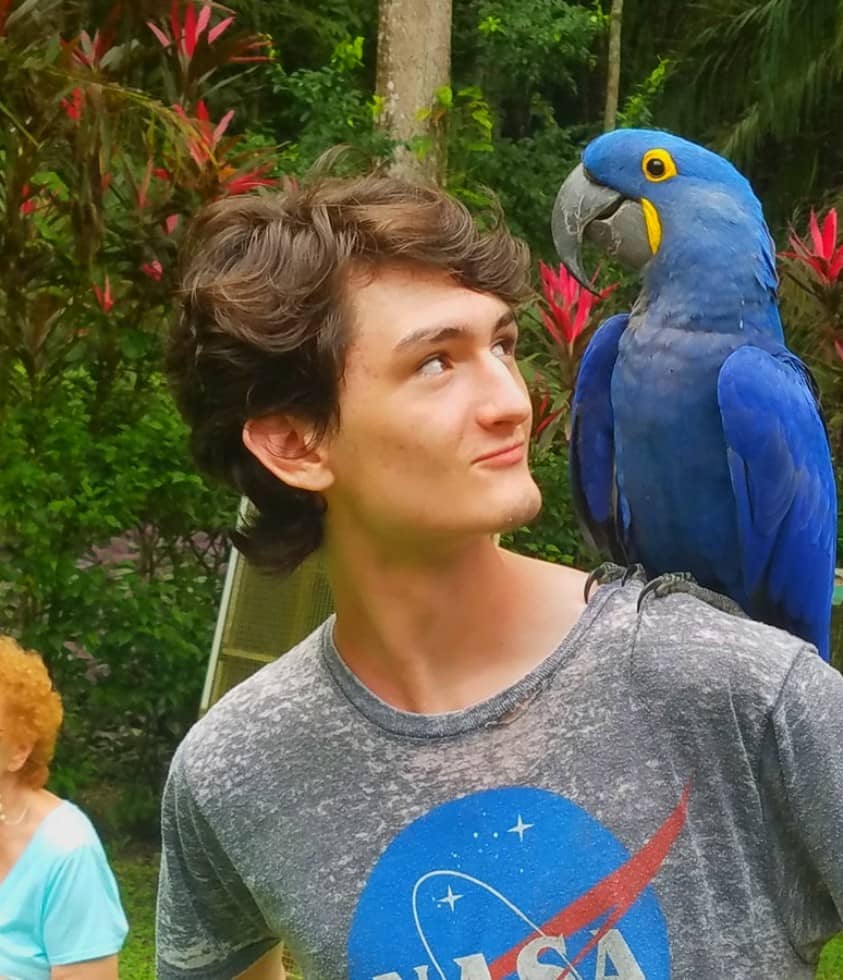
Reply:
x=658, y=165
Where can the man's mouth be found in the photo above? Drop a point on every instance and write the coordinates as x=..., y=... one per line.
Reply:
x=512, y=453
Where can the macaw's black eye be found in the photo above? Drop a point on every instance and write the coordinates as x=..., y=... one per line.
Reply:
x=656, y=167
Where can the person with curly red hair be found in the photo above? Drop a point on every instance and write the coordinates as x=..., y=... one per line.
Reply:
x=60, y=911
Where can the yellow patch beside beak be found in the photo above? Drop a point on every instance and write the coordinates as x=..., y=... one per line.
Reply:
x=654, y=226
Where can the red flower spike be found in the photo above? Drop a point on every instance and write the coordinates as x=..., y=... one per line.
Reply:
x=208, y=135
x=89, y=52
x=175, y=23
x=823, y=256
x=171, y=223
x=542, y=416
x=103, y=296
x=153, y=269
x=188, y=41
x=248, y=181
x=29, y=203
x=203, y=20
x=219, y=29
x=185, y=35
x=221, y=127
x=570, y=304
x=74, y=105
x=163, y=40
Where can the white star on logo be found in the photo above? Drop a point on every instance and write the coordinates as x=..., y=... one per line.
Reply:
x=519, y=828
x=450, y=899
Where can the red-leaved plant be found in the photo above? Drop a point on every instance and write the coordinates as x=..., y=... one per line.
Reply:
x=818, y=258
x=567, y=314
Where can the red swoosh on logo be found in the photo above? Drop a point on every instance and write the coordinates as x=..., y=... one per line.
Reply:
x=615, y=894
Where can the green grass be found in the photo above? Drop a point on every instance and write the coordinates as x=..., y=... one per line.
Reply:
x=831, y=962
x=137, y=875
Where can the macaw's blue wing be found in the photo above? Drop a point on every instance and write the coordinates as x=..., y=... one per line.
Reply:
x=784, y=488
x=591, y=455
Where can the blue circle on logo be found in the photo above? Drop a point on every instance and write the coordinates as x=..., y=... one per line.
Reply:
x=480, y=885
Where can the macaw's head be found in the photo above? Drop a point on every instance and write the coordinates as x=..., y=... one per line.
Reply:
x=664, y=205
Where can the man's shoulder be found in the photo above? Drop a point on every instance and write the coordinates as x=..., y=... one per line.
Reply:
x=256, y=716
x=697, y=649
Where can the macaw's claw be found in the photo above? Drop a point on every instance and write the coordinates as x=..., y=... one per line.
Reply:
x=633, y=571
x=673, y=582
x=610, y=572
x=607, y=572
x=667, y=584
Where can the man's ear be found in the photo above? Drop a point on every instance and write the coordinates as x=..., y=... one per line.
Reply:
x=284, y=445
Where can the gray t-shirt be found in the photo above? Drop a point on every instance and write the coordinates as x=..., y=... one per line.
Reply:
x=661, y=797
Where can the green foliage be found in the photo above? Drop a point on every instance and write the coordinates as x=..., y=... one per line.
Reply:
x=327, y=106
x=306, y=34
x=524, y=175
x=137, y=879
x=519, y=52
x=554, y=535
x=638, y=109
x=112, y=549
x=764, y=66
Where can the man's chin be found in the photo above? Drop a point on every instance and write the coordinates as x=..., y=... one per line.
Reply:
x=521, y=512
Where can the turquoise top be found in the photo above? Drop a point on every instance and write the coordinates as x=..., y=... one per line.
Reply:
x=59, y=903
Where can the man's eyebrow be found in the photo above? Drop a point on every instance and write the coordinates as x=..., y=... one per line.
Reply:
x=435, y=335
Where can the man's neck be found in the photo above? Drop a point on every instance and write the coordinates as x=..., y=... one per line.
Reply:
x=438, y=635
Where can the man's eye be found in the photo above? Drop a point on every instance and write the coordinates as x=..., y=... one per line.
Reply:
x=433, y=366
x=505, y=346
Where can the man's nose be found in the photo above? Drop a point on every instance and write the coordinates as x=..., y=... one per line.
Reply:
x=504, y=395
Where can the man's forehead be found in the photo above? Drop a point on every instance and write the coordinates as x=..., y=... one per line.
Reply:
x=396, y=303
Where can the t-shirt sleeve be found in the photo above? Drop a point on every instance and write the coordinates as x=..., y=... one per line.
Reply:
x=83, y=918
x=208, y=923
x=802, y=787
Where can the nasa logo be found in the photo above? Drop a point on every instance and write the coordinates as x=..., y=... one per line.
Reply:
x=513, y=884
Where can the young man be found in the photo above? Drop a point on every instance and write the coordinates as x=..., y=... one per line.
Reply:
x=467, y=773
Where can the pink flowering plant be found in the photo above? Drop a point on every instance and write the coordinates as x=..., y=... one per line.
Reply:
x=119, y=123
x=567, y=313
x=814, y=264
x=113, y=132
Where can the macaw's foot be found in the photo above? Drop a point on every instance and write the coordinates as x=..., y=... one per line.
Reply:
x=634, y=571
x=607, y=572
x=667, y=584
x=610, y=572
x=673, y=582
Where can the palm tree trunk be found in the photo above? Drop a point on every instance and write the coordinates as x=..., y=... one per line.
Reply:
x=414, y=60
x=614, y=67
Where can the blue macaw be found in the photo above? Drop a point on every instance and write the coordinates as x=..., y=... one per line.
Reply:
x=697, y=441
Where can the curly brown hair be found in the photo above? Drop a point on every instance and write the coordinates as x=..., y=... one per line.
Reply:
x=265, y=322
x=31, y=708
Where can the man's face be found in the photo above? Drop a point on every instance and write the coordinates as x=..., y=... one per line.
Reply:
x=434, y=414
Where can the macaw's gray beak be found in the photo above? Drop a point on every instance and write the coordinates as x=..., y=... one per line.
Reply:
x=584, y=210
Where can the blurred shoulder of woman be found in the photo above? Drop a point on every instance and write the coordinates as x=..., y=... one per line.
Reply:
x=60, y=911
